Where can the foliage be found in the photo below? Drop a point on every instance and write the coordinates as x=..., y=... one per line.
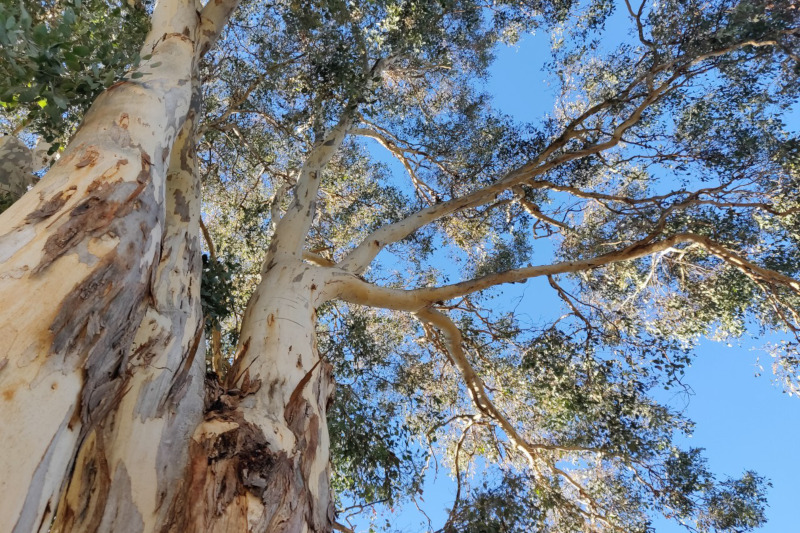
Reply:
x=216, y=290
x=57, y=57
x=5, y=201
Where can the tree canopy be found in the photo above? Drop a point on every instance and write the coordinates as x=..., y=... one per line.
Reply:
x=657, y=202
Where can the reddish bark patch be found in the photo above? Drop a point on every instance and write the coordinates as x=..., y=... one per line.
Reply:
x=8, y=394
x=51, y=206
x=89, y=158
x=227, y=470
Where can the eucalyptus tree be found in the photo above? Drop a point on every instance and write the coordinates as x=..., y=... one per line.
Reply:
x=355, y=320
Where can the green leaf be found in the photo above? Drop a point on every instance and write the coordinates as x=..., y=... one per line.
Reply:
x=40, y=33
x=81, y=50
x=68, y=17
x=60, y=101
x=29, y=95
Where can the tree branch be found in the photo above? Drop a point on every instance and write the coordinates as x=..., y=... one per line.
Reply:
x=360, y=257
x=422, y=188
x=291, y=231
x=343, y=528
x=213, y=18
x=212, y=251
x=353, y=289
x=485, y=406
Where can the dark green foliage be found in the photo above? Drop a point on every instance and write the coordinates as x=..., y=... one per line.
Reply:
x=738, y=505
x=374, y=454
x=217, y=290
x=734, y=505
x=56, y=57
x=5, y=201
x=370, y=451
x=504, y=507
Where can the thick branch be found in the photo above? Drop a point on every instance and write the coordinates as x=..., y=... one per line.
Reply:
x=400, y=154
x=353, y=289
x=484, y=404
x=213, y=18
x=291, y=230
x=475, y=385
x=212, y=251
x=360, y=257
x=317, y=259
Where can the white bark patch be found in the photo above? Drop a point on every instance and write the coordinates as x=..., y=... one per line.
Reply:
x=48, y=461
x=12, y=241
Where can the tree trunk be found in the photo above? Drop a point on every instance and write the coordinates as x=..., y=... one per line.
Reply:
x=106, y=425
x=134, y=460
x=260, y=460
x=16, y=167
x=77, y=255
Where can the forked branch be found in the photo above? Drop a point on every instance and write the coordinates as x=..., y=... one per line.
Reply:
x=453, y=343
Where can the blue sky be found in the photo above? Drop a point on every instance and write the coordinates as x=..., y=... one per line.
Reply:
x=744, y=422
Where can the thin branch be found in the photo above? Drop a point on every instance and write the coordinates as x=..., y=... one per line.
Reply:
x=341, y=527
x=212, y=252
x=422, y=188
x=534, y=211
x=317, y=259
x=291, y=231
x=480, y=398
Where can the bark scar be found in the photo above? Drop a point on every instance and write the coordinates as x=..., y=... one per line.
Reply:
x=298, y=390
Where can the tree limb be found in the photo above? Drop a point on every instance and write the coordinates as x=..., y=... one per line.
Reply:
x=483, y=403
x=352, y=288
x=213, y=18
x=291, y=231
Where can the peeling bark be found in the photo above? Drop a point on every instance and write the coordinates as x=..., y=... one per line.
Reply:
x=148, y=435
x=259, y=461
x=87, y=239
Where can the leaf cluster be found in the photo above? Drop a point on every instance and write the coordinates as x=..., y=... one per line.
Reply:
x=56, y=58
